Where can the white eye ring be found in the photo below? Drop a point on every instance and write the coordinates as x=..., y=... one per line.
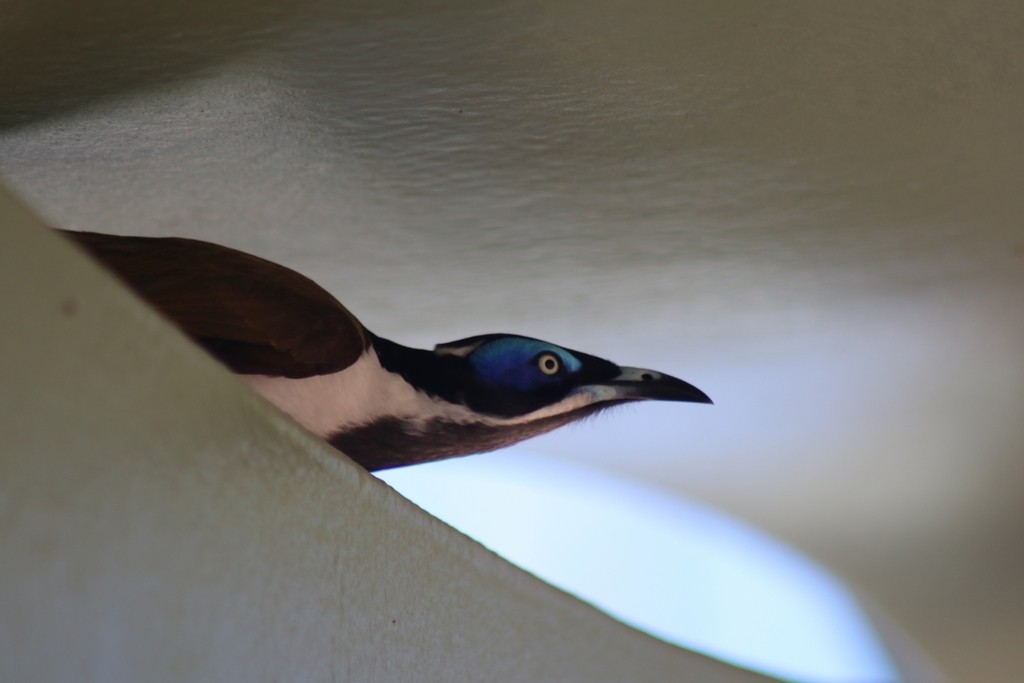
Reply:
x=549, y=364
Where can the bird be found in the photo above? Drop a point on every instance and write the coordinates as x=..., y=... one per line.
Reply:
x=378, y=402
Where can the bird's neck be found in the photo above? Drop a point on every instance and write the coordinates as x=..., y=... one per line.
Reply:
x=388, y=381
x=440, y=376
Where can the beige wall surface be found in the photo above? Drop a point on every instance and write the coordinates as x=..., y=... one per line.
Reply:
x=161, y=523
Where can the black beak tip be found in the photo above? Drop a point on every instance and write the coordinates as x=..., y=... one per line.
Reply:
x=692, y=394
x=703, y=398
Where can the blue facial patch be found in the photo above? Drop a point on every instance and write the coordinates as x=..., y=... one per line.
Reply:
x=512, y=363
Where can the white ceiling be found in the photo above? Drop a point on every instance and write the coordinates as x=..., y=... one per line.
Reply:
x=813, y=211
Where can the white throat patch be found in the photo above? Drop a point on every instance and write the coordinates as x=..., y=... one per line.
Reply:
x=357, y=395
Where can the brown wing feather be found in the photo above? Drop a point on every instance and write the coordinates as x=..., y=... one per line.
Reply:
x=255, y=316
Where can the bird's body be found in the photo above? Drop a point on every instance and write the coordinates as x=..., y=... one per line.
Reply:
x=381, y=403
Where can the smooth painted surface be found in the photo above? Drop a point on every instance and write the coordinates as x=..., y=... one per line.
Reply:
x=162, y=523
x=811, y=210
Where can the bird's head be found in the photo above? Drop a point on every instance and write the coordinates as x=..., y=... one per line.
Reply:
x=518, y=378
x=489, y=391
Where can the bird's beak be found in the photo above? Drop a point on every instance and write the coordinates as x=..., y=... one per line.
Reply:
x=639, y=384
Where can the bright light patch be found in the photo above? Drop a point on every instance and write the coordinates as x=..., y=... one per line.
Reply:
x=679, y=571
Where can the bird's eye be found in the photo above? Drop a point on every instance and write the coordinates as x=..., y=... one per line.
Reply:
x=549, y=364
